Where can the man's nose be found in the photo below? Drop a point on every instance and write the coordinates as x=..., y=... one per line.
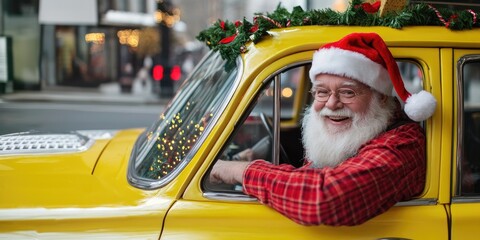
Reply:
x=333, y=102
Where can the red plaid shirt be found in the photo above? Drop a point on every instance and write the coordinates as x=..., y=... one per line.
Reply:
x=386, y=170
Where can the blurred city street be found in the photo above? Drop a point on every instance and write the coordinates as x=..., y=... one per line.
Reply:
x=63, y=111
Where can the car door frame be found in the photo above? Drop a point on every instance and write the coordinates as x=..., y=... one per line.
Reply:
x=464, y=217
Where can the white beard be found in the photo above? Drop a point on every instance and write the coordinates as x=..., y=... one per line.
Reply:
x=327, y=145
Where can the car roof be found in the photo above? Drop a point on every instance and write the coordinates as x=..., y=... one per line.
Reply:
x=412, y=36
x=286, y=41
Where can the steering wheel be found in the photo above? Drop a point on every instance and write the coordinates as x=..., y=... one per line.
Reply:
x=268, y=124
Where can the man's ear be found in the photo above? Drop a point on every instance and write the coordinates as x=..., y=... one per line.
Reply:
x=383, y=99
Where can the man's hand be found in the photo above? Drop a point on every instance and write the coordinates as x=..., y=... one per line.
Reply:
x=245, y=155
x=229, y=172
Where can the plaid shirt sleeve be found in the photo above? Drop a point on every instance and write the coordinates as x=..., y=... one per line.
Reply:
x=386, y=170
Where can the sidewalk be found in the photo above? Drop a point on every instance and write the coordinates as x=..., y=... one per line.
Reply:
x=105, y=95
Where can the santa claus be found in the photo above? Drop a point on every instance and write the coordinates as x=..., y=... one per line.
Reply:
x=364, y=153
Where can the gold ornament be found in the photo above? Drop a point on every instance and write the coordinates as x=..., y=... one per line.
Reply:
x=391, y=6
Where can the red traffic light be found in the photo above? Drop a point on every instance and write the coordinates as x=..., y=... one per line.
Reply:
x=176, y=73
x=157, y=72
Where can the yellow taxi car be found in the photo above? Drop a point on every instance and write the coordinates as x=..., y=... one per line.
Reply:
x=153, y=183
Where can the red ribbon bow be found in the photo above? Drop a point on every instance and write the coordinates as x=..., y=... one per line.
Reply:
x=371, y=7
x=228, y=39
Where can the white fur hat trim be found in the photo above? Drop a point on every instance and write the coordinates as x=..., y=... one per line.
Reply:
x=353, y=65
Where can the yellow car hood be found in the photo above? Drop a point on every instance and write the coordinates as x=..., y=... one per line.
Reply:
x=79, y=169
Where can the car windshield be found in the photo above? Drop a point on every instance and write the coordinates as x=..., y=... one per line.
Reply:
x=170, y=142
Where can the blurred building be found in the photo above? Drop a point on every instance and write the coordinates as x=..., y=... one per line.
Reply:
x=19, y=22
x=90, y=43
x=87, y=43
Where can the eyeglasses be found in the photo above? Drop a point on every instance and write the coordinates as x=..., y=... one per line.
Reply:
x=345, y=95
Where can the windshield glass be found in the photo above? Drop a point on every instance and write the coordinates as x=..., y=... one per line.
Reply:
x=165, y=146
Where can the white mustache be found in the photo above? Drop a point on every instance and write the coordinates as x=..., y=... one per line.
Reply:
x=344, y=112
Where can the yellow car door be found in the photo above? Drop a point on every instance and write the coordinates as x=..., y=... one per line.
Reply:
x=206, y=213
x=465, y=207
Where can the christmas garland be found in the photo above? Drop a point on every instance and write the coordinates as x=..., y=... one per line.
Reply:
x=230, y=38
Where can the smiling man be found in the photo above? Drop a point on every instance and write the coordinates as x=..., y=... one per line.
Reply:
x=363, y=152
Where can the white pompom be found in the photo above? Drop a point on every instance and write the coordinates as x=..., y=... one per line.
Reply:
x=420, y=106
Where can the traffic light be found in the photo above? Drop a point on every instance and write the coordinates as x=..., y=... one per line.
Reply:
x=176, y=73
x=157, y=72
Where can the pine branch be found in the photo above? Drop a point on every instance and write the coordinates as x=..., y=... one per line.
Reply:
x=230, y=38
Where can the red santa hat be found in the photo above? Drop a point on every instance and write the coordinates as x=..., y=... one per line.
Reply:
x=365, y=57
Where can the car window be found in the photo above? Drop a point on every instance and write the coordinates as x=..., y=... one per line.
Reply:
x=412, y=75
x=166, y=145
x=253, y=139
x=289, y=81
x=469, y=169
x=255, y=133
